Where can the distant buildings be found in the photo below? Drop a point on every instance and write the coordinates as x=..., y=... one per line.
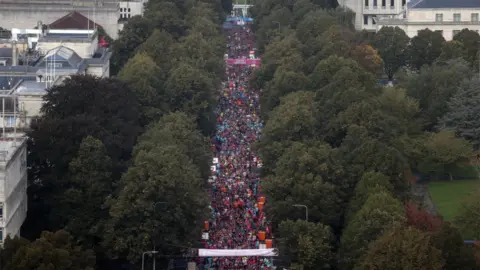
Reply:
x=446, y=16
x=30, y=65
x=13, y=184
x=110, y=14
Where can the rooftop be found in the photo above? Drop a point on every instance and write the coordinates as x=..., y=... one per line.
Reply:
x=33, y=88
x=9, y=145
x=444, y=4
x=73, y=20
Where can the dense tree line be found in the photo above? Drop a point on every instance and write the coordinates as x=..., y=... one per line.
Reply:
x=118, y=166
x=346, y=146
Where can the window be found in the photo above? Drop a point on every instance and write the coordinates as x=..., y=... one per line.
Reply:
x=456, y=17
x=392, y=3
x=373, y=20
x=129, y=15
x=129, y=9
x=366, y=3
x=404, y=2
x=384, y=3
x=1, y=211
x=10, y=121
x=474, y=17
x=439, y=17
x=374, y=3
x=365, y=19
x=1, y=235
x=455, y=32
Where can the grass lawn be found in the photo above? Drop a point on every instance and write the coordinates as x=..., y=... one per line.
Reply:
x=448, y=195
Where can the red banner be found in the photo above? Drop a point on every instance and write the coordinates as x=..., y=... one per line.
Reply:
x=241, y=61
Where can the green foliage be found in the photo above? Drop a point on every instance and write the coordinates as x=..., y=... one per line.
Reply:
x=463, y=108
x=370, y=183
x=307, y=244
x=163, y=174
x=425, y=48
x=379, y=213
x=51, y=251
x=392, y=45
x=468, y=218
x=451, y=50
x=403, y=248
x=434, y=86
x=470, y=40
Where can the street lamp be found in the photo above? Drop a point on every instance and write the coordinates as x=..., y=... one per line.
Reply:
x=143, y=257
x=306, y=209
x=154, y=234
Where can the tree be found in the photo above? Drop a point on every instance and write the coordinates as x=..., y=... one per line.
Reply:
x=443, y=151
x=434, y=86
x=163, y=176
x=403, y=248
x=80, y=207
x=470, y=40
x=392, y=45
x=134, y=33
x=83, y=105
x=462, y=110
x=190, y=90
x=380, y=213
x=421, y=219
x=167, y=16
x=304, y=174
x=370, y=183
x=146, y=80
x=456, y=254
x=368, y=58
x=451, y=50
x=425, y=48
x=51, y=251
x=468, y=218
x=314, y=24
x=306, y=243
x=160, y=46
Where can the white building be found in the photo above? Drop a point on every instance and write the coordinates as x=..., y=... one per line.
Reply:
x=25, y=77
x=110, y=14
x=13, y=185
x=367, y=12
x=446, y=16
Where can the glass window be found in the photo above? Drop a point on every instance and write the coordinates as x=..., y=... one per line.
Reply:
x=366, y=3
x=365, y=19
x=1, y=211
x=374, y=3
x=439, y=17
x=129, y=9
x=10, y=121
x=1, y=234
x=392, y=3
x=474, y=17
x=456, y=17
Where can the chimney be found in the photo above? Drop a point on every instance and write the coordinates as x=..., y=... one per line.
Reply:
x=14, y=54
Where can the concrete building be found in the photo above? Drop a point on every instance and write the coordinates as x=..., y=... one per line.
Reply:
x=26, y=76
x=110, y=14
x=367, y=12
x=446, y=16
x=13, y=184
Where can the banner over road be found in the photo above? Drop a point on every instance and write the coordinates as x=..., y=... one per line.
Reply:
x=241, y=61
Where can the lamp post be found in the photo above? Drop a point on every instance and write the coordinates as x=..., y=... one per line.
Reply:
x=143, y=257
x=154, y=234
x=306, y=209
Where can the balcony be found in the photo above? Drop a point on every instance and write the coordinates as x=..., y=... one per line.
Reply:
x=380, y=10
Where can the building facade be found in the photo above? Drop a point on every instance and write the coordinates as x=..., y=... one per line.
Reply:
x=367, y=12
x=446, y=16
x=13, y=184
x=110, y=14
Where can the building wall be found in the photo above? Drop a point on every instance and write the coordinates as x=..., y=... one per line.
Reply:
x=367, y=10
x=13, y=189
x=129, y=9
x=419, y=19
x=23, y=17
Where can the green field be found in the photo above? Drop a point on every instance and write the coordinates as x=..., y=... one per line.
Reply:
x=448, y=195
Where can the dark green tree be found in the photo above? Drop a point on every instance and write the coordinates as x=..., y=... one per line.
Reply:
x=51, y=251
x=90, y=181
x=403, y=248
x=470, y=40
x=463, y=108
x=425, y=48
x=392, y=45
x=380, y=213
x=307, y=244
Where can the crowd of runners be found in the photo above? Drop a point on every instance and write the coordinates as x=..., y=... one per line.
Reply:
x=237, y=220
